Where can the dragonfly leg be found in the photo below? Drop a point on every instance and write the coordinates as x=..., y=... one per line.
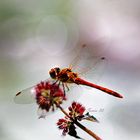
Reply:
x=67, y=87
x=55, y=82
x=59, y=83
x=64, y=89
x=53, y=107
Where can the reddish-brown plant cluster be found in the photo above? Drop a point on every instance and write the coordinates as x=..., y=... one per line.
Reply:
x=67, y=124
x=76, y=110
x=64, y=124
x=48, y=95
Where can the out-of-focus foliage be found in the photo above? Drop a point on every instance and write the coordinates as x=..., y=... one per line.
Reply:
x=19, y=17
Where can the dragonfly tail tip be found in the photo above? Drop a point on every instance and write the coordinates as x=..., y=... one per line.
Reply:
x=119, y=96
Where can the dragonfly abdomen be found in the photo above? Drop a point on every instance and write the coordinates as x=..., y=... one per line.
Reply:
x=106, y=90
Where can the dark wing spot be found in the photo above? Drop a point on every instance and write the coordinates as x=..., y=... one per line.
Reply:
x=18, y=93
x=84, y=45
x=103, y=58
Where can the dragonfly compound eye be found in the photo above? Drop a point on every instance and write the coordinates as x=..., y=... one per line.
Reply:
x=57, y=70
x=53, y=73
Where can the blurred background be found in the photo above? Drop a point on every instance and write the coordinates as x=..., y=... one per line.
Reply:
x=38, y=35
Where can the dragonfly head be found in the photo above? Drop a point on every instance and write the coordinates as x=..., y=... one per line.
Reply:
x=54, y=72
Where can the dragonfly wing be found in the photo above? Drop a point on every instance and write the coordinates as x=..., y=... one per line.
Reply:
x=28, y=95
x=94, y=73
x=25, y=96
x=88, y=64
x=73, y=94
x=94, y=49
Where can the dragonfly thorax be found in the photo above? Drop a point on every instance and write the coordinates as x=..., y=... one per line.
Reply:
x=63, y=75
x=66, y=75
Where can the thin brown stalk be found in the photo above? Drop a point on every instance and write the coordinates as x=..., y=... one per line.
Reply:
x=80, y=125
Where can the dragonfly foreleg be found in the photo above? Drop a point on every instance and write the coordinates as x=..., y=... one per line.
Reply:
x=64, y=89
x=55, y=82
x=53, y=107
x=67, y=87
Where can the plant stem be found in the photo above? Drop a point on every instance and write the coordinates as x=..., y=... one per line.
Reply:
x=87, y=130
x=79, y=124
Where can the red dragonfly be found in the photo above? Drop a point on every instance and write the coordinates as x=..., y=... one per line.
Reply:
x=66, y=76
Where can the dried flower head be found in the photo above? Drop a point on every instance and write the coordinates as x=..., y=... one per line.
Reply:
x=67, y=126
x=48, y=95
x=76, y=110
x=64, y=124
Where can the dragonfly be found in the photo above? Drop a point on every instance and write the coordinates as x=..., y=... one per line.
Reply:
x=67, y=75
x=56, y=87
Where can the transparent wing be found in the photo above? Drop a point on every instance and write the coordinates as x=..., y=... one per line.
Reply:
x=94, y=73
x=88, y=64
x=73, y=94
x=25, y=96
